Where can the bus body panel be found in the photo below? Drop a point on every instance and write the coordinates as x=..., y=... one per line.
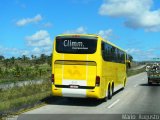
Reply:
x=76, y=73
x=114, y=73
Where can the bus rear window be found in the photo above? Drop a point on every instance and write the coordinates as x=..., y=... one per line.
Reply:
x=76, y=45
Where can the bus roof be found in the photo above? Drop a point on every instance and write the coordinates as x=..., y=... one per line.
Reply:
x=93, y=35
x=89, y=35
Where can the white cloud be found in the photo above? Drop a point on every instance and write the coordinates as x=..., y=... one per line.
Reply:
x=24, y=52
x=39, y=39
x=41, y=50
x=26, y=21
x=105, y=33
x=125, y=8
x=137, y=13
x=13, y=52
x=139, y=54
x=36, y=50
x=80, y=30
x=47, y=25
x=27, y=52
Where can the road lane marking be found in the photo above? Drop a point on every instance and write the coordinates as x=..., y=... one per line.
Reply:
x=114, y=103
x=135, y=85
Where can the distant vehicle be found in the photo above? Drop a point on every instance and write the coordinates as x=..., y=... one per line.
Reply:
x=87, y=66
x=153, y=72
x=129, y=59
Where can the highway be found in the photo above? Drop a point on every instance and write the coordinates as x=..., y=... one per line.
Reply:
x=136, y=98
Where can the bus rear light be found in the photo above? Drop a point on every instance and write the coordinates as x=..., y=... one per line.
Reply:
x=76, y=36
x=97, y=80
x=52, y=78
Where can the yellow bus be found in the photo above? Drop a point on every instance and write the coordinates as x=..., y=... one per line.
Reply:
x=86, y=65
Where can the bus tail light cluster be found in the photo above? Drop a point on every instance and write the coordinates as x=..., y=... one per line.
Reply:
x=76, y=36
x=97, y=80
x=52, y=78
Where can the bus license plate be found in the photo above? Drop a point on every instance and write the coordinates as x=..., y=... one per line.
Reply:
x=74, y=86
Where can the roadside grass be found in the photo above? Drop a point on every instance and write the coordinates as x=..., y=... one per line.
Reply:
x=17, y=98
x=134, y=72
x=16, y=80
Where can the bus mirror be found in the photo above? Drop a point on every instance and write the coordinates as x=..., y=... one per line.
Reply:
x=128, y=65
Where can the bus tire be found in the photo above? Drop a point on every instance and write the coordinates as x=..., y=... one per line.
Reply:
x=124, y=84
x=112, y=89
x=104, y=99
x=149, y=83
x=106, y=96
x=109, y=93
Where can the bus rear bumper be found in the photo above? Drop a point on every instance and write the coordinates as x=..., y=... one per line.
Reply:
x=77, y=93
x=154, y=80
x=70, y=92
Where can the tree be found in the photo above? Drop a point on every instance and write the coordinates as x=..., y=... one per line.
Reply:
x=6, y=62
x=32, y=56
x=42, y=58
x=19, y=58
x=2, y=57
x=12, y=60
x=49, y=59
x=23, y=57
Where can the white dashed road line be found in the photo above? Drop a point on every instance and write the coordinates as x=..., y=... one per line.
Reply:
x=114, y=103
x=143, y=79
x=135, y=85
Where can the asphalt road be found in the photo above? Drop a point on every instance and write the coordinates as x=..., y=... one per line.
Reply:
x=137, y=98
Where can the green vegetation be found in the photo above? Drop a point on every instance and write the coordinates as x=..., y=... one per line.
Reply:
x=134, y=72
x=25, y=68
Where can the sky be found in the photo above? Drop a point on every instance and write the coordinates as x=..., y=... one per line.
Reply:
x=28, y=27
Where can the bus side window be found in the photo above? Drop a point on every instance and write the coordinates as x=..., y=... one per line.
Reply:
x=113, y=54
x=103, y=50
x=103, y=46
